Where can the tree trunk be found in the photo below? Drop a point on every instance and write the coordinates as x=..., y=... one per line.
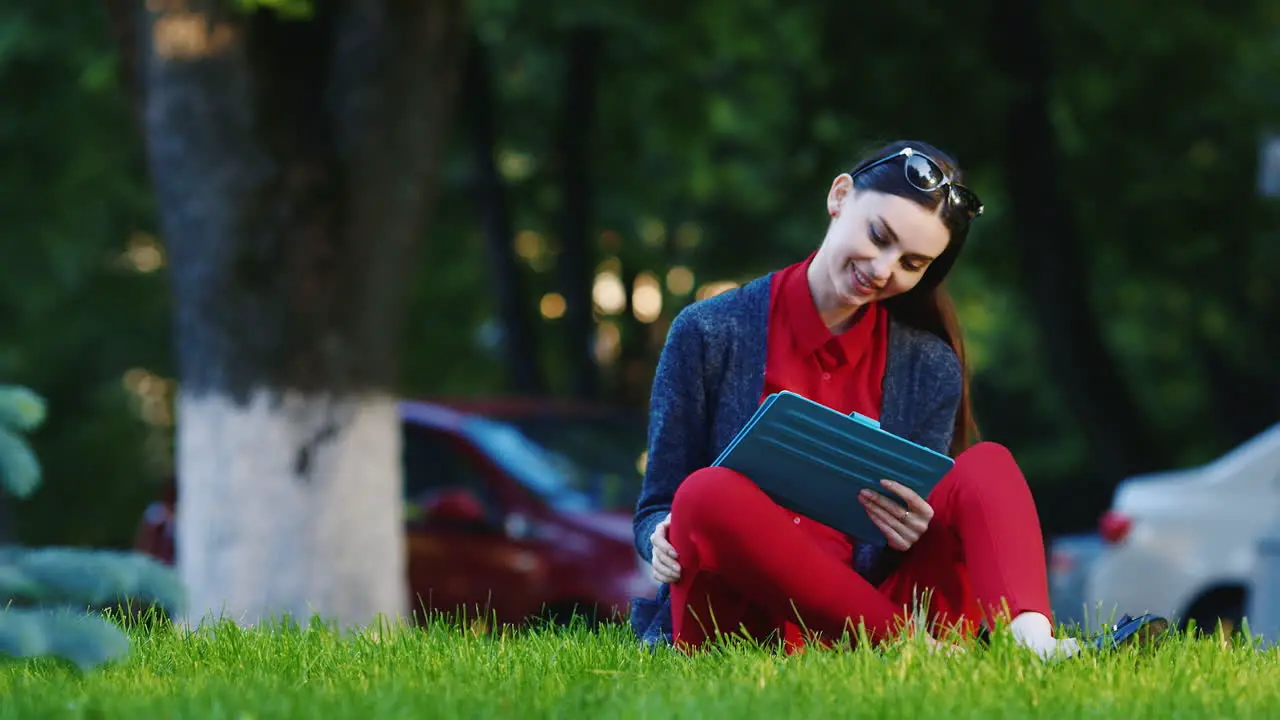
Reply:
x=8, y=531
x=122, y=28
x=633, y=388
x=519, y=345
x=573, y=145
x=1053, y=260
x=1243, y=402
x=293, y=163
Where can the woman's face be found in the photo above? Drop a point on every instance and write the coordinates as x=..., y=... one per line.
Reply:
x=877, y=246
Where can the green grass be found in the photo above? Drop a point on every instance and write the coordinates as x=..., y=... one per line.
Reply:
x=444, y=671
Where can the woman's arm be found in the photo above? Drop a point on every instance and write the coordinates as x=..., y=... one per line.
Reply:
x=941, y=400
x=678, y=431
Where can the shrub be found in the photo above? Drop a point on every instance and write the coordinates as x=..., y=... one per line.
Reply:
x=55, y=598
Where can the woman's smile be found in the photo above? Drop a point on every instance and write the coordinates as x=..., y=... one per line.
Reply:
x=862, y=284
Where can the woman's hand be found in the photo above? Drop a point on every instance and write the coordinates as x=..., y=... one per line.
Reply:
x=902, y=528
x=665, y=568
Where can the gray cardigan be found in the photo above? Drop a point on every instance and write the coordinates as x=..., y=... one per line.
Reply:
x=708, y=383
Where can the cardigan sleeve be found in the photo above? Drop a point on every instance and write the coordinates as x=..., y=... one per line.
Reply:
x=939, y=404
x=678, y=435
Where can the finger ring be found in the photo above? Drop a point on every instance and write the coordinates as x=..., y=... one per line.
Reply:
x=906, y=514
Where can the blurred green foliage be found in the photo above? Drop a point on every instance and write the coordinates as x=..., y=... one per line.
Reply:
x=48, y=593
x=289, y=9
x=21, y=411
x=77, y=316
x=717, y=131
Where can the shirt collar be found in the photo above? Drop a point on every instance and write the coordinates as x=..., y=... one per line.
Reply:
x=808, y=331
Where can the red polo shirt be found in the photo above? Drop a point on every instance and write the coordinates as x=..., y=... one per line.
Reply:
x=844, y=372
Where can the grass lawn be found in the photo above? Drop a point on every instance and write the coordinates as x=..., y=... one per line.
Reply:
x=445, y=671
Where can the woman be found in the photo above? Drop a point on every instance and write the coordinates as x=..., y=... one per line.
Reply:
x=861, y=325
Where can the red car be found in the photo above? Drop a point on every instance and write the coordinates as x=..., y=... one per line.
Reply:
x=518, y=508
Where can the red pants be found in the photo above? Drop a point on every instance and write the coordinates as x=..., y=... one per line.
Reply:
x=749, y=565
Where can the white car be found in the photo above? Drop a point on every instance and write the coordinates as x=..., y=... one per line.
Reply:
x=1071, y=557
x=1183, y=544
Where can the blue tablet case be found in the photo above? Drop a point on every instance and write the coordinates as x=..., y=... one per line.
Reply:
x=814, y=461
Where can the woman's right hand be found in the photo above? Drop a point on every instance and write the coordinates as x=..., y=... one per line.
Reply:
x=665, y=568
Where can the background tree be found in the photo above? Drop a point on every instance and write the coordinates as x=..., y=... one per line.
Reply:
x=83, y=301
x=294, y=152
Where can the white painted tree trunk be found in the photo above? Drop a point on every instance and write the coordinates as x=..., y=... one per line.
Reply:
x=295, y=162
x=258, y=540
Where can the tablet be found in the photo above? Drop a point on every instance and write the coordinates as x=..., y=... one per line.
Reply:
x=814, y=461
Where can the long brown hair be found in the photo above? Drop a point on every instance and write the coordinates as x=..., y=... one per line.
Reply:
x=928, y=306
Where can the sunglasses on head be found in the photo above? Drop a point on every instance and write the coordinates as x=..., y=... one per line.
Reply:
x=926, y=175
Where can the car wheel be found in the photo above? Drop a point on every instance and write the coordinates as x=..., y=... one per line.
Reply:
x=1227, y=612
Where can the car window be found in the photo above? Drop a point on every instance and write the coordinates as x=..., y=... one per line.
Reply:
x=434, y=461
x=574, y=463
x=601, y=457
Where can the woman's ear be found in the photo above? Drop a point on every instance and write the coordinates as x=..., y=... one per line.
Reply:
x=841, y=191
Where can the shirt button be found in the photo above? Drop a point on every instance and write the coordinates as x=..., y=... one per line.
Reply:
x=826, y=376
x=797, y=521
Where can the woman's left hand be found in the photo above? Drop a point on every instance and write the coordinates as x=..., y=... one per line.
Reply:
x=902, y=528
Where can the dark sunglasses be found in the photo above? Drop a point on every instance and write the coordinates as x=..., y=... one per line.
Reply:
x=925, y=175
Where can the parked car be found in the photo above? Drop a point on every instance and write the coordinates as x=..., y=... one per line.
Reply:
x=1071, y=558
x=517, y=508
x=1183, y=543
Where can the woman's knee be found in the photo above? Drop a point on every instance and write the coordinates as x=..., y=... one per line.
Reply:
x=988, y=464
x=706, y=490
x=986, y=454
